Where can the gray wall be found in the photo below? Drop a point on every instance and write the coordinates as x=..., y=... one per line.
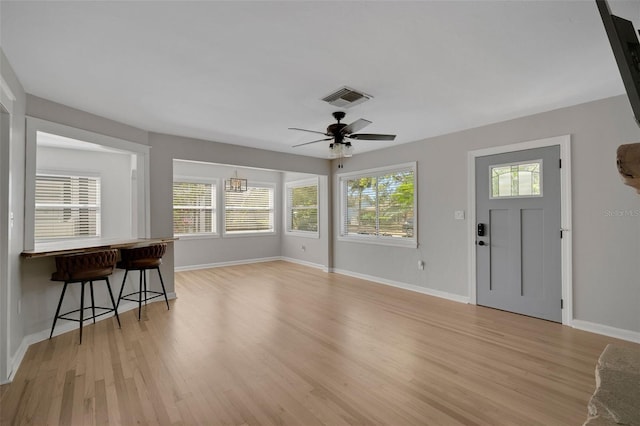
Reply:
x=606, y=240
x=12, y=181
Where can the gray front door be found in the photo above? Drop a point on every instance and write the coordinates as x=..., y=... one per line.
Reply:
x=519, y=266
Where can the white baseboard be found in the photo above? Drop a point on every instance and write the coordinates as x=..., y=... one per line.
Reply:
x=405, y=286
x=61, y=328
x=305, y=263
x=221, y=264
x=618, y=333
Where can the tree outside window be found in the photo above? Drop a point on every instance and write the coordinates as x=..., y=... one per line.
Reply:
x=302, y=207
x=379, y=205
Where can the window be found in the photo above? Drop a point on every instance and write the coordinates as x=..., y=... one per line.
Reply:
x=302, y=207
x=516, y=180
x=379, y=205
x=67, y=206
x=194, y=208
x=250, y=211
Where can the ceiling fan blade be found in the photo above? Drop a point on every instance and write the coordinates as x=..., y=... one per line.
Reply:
x=372, y=137
x=355, y=126
x=305, y=130
x=307, y=143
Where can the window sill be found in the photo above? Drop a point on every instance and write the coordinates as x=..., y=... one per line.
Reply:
x=390, y=241
x=312, y=235
x=197, y=236
x=249, y=234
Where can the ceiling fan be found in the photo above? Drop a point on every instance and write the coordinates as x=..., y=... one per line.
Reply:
x=341, y=134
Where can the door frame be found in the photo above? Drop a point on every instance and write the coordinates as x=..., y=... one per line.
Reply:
x=564, y=142
x=7, y=98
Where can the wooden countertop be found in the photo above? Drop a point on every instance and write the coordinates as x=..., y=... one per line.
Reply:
x=71, y=247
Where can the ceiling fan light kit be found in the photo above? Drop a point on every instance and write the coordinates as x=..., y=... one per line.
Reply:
x=340, y=150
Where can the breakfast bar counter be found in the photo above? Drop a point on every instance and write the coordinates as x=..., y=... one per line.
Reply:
x=73, y=247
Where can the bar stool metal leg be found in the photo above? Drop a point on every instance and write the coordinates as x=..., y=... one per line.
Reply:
x=140, y=296
x=64, y=289
x=164, y=291
x=124, y=281
x=145, y=286
x=113, y=302
x=93, y=302
x=81, y=309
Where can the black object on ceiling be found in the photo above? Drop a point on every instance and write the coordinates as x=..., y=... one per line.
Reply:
x=340, y=133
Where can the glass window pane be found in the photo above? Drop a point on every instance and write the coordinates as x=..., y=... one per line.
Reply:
x=516, y=180
x=194, y=208
x=67, y=206
x=250, y=211
x=302, y=205
x=380, y=205
x=361, y=206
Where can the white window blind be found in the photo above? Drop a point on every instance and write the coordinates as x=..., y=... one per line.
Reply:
x=302, y=207
x=194, y=209
x=67, y=206
x=249, y=211
x=379, y=205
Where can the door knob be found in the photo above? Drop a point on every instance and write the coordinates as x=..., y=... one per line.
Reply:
x=482, y=243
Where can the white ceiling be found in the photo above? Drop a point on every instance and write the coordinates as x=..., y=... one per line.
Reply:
x=243, y=72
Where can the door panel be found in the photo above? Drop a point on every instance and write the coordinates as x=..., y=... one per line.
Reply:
x=499, y=254
x=519, y=258
x=531, y=247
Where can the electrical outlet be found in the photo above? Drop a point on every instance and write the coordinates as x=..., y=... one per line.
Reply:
x=421, y=265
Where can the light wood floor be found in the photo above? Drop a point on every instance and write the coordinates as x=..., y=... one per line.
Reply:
x=278, y=343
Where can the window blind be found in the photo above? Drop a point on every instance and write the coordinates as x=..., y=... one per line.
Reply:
x=302, y=208
x=379, y=204
x=250, y=211
x=67, y=206
x=194, y=208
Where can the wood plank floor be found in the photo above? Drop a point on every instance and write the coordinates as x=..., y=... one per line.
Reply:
x=278, y=343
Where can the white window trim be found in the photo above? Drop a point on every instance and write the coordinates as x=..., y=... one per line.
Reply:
x=375, y=239
x=216, y=207
x=298, y=184
x=140, y=190
x=223, y=229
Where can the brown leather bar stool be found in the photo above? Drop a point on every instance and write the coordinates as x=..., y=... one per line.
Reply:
x=85, y=268
x=142, y=259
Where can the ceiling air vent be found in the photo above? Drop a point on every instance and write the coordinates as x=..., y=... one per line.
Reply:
x=346, y=97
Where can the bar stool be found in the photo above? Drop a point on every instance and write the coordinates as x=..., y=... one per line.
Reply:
x=142, y=259
x=85, y=268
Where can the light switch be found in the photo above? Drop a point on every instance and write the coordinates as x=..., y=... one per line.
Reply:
x=459, y=215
